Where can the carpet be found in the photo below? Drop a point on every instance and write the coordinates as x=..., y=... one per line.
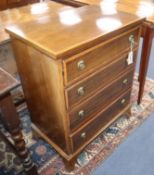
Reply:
x=50, y=163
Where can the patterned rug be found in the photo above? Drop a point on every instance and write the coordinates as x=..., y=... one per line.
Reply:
x=50, y=163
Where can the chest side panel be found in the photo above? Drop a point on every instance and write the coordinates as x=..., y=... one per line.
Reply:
x=42, y=82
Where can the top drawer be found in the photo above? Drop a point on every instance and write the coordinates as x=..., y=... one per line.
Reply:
x=76, y=67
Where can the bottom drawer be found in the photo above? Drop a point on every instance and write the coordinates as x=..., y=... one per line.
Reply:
x=84, y=135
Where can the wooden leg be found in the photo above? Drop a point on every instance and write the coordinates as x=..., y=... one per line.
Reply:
x=146, y=49
x=12, y=122
x=23, y=151
x=128, y=112
x=70, y=165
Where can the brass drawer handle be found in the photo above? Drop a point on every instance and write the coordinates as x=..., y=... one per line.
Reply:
x=125, y=81
x=132, y=42
x=81, y=91
x=123, y=101
x=131, y=39
x=83, y=135
x=81, y=113
x=81, y=65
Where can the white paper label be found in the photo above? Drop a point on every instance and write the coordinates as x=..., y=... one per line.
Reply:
x=130, y=58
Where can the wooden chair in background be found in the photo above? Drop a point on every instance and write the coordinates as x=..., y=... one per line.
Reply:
x=11, y=121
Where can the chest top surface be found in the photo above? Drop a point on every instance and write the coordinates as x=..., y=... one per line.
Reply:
x=25, y=14
x=66, y=31
x=142, y=8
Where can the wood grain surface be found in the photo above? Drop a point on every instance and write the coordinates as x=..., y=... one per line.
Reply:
x=65, y=29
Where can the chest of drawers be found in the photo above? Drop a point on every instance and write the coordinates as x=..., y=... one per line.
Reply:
x=75, y=73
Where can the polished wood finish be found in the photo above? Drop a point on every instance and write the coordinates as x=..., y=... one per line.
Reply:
x=53, y=108
x=99, y=100
x=11, y=121
x=5, y=4
x=93, y=57
x=146, y=50
x=91, y=84
x=140, y=8
x=65, y=22
x=100, y=120
x=25, y=14
x=69, y=2
x=42, y=57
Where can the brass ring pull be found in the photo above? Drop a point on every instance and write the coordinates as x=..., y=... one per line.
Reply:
x=81, y=65
x=83, y=135
x=81, y=113
x=125, y=81
x=81, y=91
x=131, y=38
x=123, y=101
x=132, y=41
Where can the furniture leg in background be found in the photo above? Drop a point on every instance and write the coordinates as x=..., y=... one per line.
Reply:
x=148, y=35
x=11, y=120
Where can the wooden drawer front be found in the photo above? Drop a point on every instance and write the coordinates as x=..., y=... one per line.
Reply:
x=102, y=120
x=97, y=57
x=84, y=89
x=86, y=110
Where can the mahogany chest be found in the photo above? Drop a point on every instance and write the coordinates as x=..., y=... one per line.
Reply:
x=76, y=69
